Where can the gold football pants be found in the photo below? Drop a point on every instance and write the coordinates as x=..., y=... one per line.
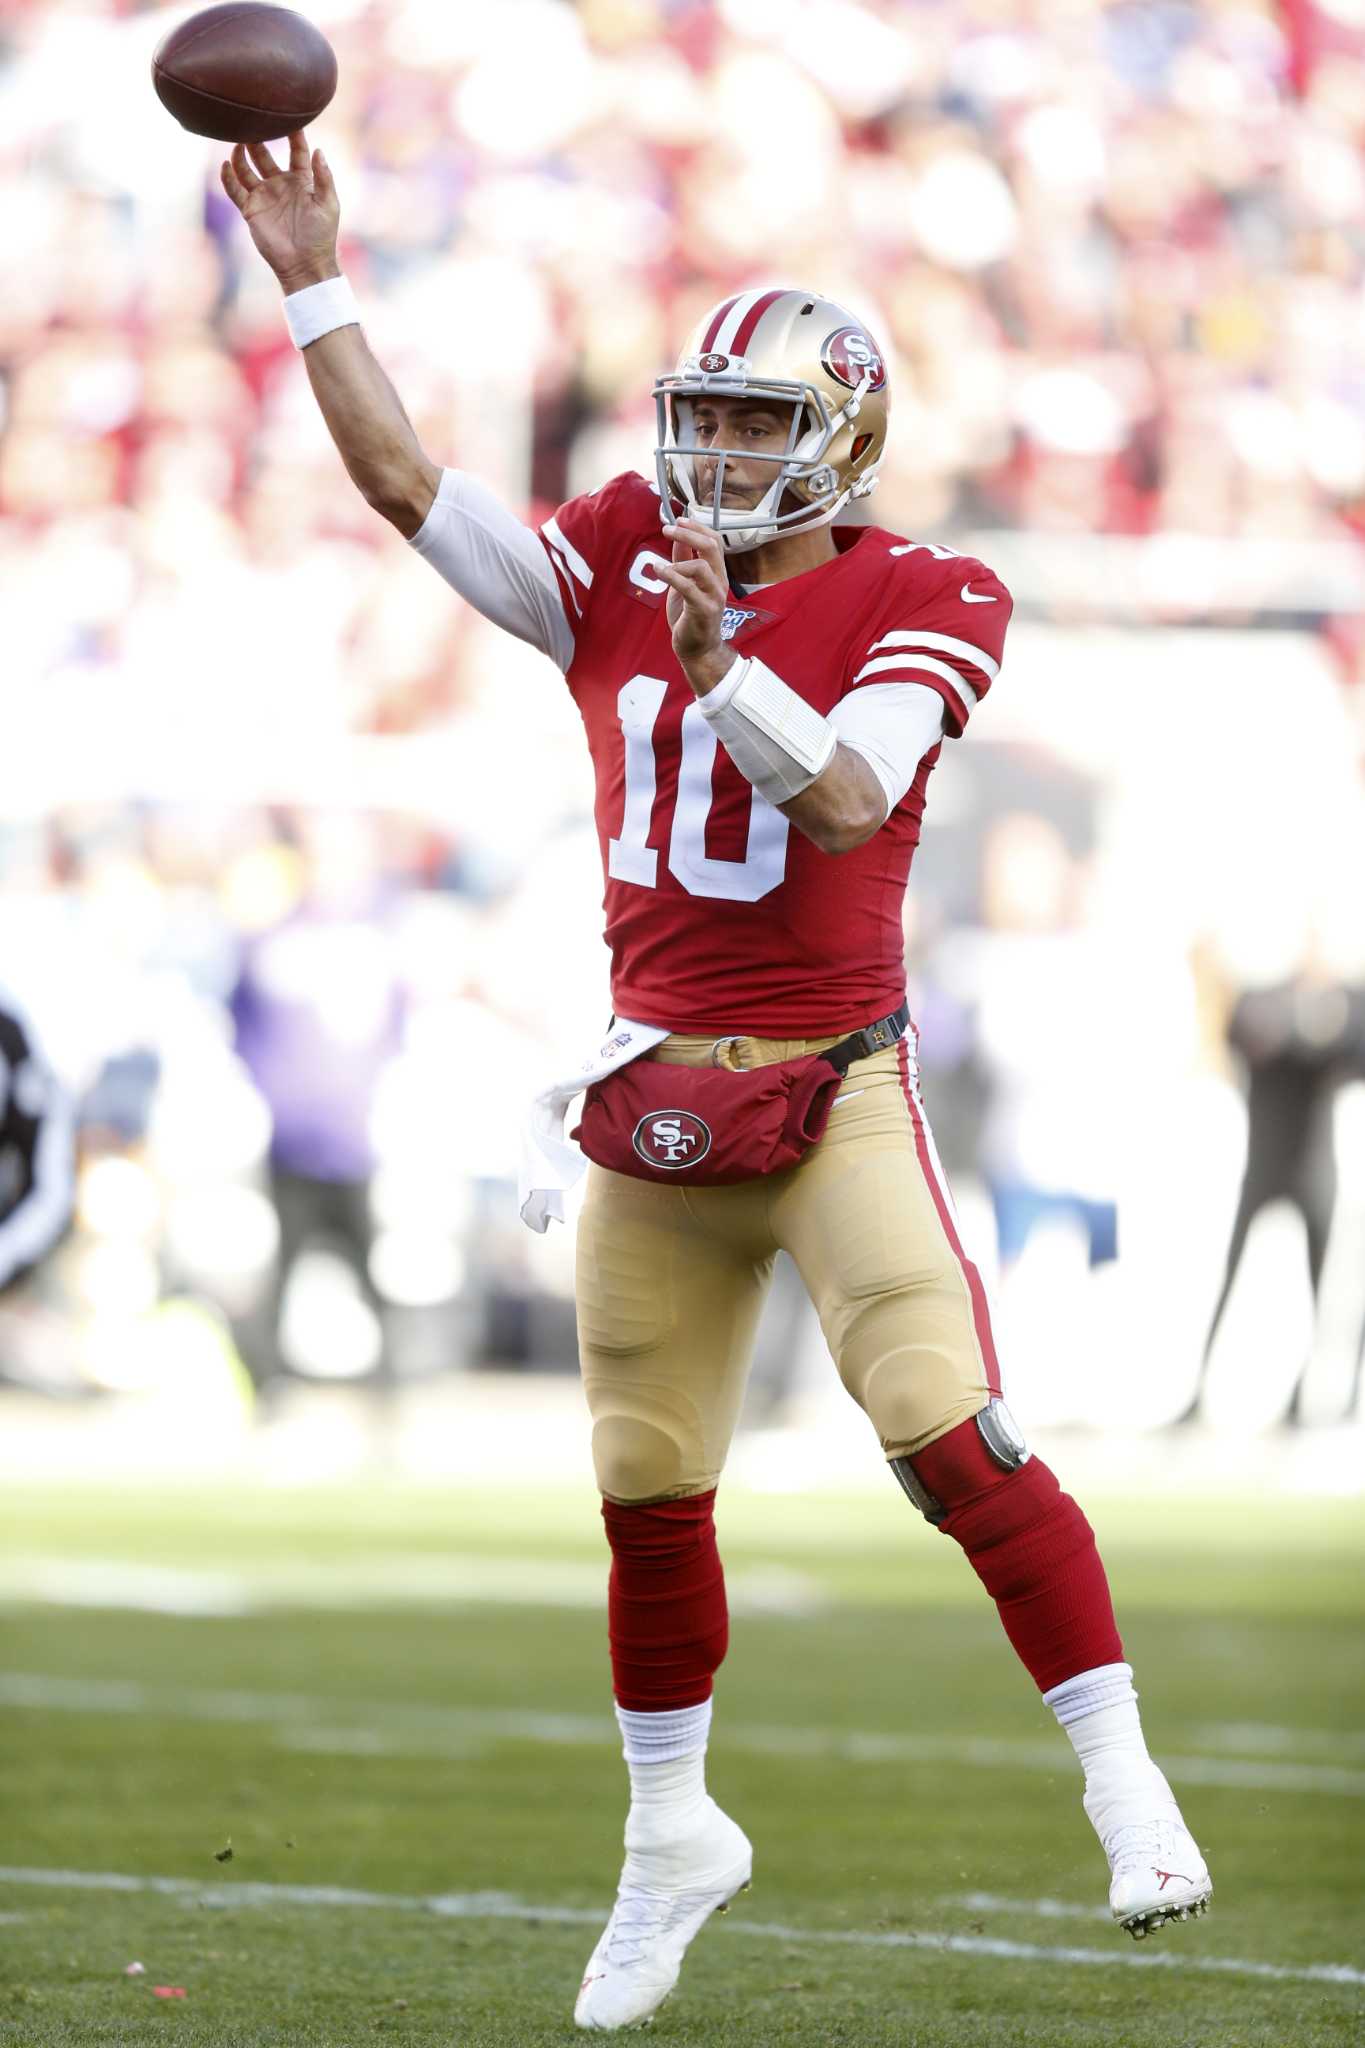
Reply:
x=670, y=1282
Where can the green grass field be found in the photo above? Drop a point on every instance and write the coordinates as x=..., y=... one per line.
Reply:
x=411, y=1756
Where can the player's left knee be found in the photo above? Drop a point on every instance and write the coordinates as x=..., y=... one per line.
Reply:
x=974, y=1458
x=980, y=1485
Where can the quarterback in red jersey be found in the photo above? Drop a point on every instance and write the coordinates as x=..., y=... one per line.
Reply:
x=765, y=696
x=690, y=846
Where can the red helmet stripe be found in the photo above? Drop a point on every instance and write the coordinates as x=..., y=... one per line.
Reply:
x=745, y=334
x=708, y=340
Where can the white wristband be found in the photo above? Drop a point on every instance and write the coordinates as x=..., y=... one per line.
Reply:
x=318, y=308
x=775, y=738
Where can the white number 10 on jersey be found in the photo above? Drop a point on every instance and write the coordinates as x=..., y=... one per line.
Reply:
x=629, y=859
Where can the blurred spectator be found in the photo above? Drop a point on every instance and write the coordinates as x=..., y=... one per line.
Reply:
x=1297, y=1041
x=1048, y=1147
x=1116, y=249
x=36, y=1148
x=317, y=1011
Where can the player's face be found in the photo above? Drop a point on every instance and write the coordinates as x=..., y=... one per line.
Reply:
x=751, y=425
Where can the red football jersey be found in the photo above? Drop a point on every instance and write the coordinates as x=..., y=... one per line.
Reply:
x=720, y=914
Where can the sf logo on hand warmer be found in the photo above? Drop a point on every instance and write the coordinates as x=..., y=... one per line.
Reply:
x=671, y=1138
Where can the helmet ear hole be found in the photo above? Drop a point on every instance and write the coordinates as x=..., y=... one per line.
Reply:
x=860, y=447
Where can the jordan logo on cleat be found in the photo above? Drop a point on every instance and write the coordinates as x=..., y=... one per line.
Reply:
x=1167, y=1875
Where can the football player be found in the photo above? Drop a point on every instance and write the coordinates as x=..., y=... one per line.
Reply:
x=765, y=696
x=37, y=1149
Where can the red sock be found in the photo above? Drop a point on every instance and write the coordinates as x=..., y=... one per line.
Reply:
x=666, y=1612
x=1033, y=1551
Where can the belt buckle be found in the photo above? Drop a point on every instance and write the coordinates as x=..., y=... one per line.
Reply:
x=876, y=1037
x=718, y=1051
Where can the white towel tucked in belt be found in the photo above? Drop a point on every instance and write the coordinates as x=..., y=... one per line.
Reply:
x=550, y=1162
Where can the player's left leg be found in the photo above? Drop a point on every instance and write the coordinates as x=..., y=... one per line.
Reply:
x=870, y=1223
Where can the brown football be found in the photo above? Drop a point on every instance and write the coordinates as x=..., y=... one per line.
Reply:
x=244, y=72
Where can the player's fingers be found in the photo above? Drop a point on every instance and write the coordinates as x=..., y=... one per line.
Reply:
x=232, y=185
x=705, y=568
x=242, y=170
x=700, y=535
x=684, y=577
x=322, y=176
x=686, y=549
x=300, y=160
x=692, y=539
x=263, y=160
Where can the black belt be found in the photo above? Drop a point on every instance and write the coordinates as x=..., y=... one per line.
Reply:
x=860, y=1045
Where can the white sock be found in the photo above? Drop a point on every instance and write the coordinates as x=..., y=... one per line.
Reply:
x=666, y=1757
x=1099, y=1711
x=658, y=1738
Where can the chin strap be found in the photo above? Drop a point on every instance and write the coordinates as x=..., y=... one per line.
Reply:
x=765, y=526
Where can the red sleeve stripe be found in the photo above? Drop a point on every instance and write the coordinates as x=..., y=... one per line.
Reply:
x=910, y=668
x=943, y=643
x=959, y=697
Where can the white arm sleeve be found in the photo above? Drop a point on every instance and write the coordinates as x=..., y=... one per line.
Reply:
x=496, y=563
x=893, y=726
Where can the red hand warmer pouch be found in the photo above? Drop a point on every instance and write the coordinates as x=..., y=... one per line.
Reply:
x=703, y=1126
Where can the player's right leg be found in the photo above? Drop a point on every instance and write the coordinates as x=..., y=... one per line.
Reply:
x=669, y=1288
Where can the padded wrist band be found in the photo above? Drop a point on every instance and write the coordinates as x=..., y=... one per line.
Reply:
x=774, y=737
x=318, y=308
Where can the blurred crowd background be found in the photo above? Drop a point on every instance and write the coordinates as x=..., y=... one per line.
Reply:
x=297, y=875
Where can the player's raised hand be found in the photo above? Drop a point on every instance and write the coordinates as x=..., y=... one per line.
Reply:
x=292, y=213
x=698, y=589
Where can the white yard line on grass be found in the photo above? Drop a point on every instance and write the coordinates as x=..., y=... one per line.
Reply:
x=502, y=1906
x=1269, y=1738
x=1035, y=1909
x=445, y=1578
x=305, y=1722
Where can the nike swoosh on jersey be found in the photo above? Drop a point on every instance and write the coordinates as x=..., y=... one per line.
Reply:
x=970, y=596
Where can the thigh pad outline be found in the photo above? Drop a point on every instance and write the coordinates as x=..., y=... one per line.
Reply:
x=870, y=1222
x=667, y=1308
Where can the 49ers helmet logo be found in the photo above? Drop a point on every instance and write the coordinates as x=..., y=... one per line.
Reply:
x=671, y=1138
x=850, y=354
x=712, y=362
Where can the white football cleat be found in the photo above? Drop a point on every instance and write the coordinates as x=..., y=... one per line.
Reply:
x=666, y=1894
x=1157, y=1874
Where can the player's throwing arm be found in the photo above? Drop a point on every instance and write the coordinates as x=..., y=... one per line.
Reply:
x=293, y=216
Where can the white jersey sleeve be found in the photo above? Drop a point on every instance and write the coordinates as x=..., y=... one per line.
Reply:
x=893, y=726
x=496, y=563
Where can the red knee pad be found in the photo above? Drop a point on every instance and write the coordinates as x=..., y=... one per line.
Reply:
x=666, y=1614
x=1033, y=1551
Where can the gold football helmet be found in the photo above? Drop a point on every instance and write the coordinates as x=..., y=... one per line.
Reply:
x=806, y=352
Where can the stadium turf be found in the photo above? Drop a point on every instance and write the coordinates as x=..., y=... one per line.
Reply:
x=413, y=1769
